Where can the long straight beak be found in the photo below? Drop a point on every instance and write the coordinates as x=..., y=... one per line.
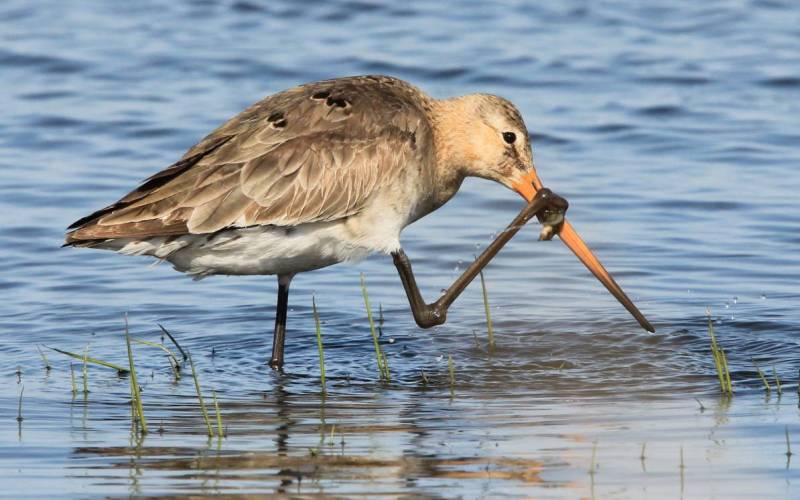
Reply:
x=527, y=188
x=579, y=248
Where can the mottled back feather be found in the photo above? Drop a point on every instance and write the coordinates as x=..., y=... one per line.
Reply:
x=313, y=153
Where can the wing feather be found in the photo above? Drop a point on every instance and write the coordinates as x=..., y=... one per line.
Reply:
x=313, y=153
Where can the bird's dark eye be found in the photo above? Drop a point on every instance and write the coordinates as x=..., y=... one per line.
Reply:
x=509, y=137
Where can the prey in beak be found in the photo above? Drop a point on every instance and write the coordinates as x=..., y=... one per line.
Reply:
x=554, y=223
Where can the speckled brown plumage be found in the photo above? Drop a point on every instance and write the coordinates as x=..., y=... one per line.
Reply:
x=309, y=154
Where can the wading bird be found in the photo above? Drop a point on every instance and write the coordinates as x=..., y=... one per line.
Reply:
x=330, y=172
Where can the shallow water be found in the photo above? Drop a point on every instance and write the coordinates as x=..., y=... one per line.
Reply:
x=671, y=129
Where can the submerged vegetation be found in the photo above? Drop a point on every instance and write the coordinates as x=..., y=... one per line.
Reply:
x=720, y=360
x=176, y=360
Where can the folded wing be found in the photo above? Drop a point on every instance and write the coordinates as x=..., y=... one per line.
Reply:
x=314, y=153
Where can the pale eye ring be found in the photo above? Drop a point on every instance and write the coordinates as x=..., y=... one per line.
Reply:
x=509, y=137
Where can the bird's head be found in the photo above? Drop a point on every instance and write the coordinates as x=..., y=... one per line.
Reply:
x=488, y=139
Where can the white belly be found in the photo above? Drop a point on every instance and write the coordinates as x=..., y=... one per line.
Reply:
x=271, y=249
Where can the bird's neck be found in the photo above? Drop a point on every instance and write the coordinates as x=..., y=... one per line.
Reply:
x=455, y=154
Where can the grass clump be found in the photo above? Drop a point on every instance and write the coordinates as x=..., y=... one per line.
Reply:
x=136, y=396
x=320, y=348
x=380, y=357
x=720, y=360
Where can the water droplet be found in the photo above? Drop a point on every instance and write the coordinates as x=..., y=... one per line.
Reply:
x=391, y=340
x=763, y=297
x=719, y=321
x=735, y=300
x=460, y=262
x=727, y=305
x=733, y=317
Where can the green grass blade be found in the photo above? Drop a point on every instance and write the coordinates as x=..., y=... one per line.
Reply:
x=180, y=349
x=159, y=346
x=720, y=360
x=320, y=347
x=85, y=370
x=383, y=371
x=99, y=362
x=47, y=366
x=136, y=395
x=219, y=414
x=767, y=388
x=778, y=386
x=19, y=408
x=72, y=377
x=726, y=371
x=200, y=398
x=487, y=311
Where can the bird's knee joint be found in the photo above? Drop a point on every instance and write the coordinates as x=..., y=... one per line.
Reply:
x=431, y=316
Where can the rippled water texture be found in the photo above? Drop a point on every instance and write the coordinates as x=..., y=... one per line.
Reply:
x=672, y=129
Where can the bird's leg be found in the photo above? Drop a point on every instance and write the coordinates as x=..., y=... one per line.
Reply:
x=544, y=204
x=276, y=361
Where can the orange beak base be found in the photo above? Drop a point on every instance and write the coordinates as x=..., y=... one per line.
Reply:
x=527, y=187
